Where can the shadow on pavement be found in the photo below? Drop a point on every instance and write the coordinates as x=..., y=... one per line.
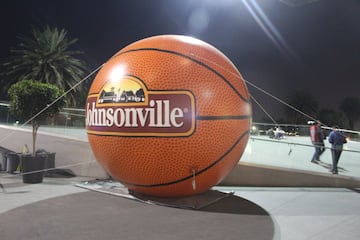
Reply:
x=93, y=215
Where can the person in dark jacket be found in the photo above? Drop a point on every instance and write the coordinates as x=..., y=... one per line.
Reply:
x=317, y=139
x=337, y=140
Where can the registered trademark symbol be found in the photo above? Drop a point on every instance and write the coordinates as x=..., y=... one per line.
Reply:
x=186, y=110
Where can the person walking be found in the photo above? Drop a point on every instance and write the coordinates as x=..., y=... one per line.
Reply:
x=337, y=140
x=317, y=139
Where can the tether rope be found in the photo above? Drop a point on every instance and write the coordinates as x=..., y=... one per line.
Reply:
x=232, y=73
x=52, y=103
x=263, y=109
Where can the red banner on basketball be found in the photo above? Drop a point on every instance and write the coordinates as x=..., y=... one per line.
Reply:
x=158, y=114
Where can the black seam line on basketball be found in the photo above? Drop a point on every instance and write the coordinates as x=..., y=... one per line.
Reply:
x=197, y=173
x=212, y=118
x=192, y=59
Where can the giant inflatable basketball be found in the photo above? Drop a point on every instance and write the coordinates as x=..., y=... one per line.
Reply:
x=168, y=116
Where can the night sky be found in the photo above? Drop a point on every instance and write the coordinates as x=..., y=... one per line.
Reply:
x=280, y=48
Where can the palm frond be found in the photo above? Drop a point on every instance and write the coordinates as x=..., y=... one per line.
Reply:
x=47, y=56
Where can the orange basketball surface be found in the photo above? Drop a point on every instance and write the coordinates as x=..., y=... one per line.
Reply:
x=168, y=116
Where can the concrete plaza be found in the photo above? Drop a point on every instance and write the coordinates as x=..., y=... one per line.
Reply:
x=59, y=209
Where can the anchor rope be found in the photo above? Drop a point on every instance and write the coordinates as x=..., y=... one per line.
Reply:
x=236, y=74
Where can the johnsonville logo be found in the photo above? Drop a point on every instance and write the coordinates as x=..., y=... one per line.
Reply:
x=127, y=108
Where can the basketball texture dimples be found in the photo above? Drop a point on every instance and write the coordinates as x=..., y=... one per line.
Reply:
x=169, y=165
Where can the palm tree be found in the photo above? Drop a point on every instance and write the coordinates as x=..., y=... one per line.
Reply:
x=46, y=56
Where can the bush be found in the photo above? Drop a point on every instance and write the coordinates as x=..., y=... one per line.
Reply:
x=33, y=101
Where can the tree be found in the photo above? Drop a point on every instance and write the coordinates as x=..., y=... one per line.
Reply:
x=303, y=102
x=331, y=118
x=28, y=99
x=351, y=107
x=46, y=56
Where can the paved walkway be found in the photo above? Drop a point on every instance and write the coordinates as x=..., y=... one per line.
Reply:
x=57, y=209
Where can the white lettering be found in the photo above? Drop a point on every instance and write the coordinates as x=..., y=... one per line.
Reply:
x=152, y=114
x=130, y=119
x=110, y=117
x=142, y=117
x=119, y=119
x=159, y=114
x=102, y=117
x=175, y=114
